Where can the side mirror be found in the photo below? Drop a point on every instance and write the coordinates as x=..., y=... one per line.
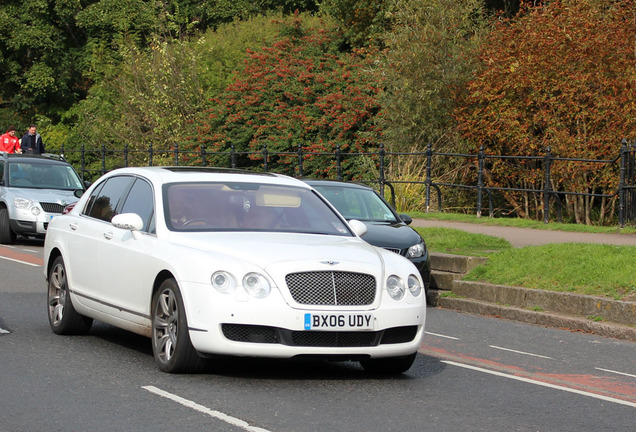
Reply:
x=78, y=193
x=406, y=219
x=358, y=227
x=129, y=221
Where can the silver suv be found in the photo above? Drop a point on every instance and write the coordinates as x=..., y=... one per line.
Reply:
x=33, y=190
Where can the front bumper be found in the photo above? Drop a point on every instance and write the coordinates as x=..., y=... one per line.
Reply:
x=221, y=324
x=33, y=226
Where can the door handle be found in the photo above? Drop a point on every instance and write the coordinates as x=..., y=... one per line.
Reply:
x=108, y=235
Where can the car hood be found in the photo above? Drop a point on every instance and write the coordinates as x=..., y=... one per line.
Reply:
x=265, y=249
x=58, y=196
x=391, y=235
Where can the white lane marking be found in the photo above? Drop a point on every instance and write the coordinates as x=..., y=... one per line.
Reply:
x=3, y=331
x=442, y=336
x=541, y=383
x=616, y=372
x=21, y=262
x=520, y=352
x=205, y=410
x=31, y=250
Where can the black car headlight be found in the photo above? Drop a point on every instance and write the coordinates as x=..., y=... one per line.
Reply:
x=416, y=251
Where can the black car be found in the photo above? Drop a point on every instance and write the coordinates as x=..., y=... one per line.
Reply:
x=386, y=229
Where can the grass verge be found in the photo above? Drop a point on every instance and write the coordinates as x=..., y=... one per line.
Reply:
x=601, y=270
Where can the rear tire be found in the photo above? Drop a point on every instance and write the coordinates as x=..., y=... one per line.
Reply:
x=63, y=318
x=388, y=365
x=171, y=343
x=7, y=236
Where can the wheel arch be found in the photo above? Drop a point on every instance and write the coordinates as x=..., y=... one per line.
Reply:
x=53, y=255
x=162, y=276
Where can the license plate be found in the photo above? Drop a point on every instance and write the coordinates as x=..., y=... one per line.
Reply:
x=338, y=321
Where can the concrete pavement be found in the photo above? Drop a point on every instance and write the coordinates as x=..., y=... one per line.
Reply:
x=521, y=237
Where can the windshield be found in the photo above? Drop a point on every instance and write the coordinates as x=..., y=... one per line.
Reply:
x=248, y=207
x=43, y=176
x=356, y=203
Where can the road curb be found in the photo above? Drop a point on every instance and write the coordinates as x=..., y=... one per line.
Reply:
x=599, y=315
x=548, y=319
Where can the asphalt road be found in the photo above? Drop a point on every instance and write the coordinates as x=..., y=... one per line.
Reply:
x=473, y=373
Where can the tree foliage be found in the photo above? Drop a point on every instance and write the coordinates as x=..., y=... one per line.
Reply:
x=431, y=56
x=361, y=22
x=157, y=95
x=299, y=91
x=40, y=50
x=559, y=76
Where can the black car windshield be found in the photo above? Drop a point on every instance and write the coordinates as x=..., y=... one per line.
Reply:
x=357, y=203
x=248, y=207
x=43, y=176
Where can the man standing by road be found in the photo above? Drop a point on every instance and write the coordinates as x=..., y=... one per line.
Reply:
x=9, y=142
x=32, y=142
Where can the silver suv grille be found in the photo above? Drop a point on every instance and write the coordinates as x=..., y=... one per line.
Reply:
x=52, y=207
x=332, y=288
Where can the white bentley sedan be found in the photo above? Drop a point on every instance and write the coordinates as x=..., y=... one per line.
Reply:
x=222, y=262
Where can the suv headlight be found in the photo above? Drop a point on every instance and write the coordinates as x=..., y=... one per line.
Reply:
x=416, y=251
x=26, y=204
x=22, y=203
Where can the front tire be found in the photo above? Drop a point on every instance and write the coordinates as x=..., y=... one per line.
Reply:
x=171, y=345
x=388, y=365
x=7, y=236
x=63, y=318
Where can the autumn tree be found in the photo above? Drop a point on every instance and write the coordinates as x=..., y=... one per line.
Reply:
x=560, y=76
x=298, y=91
x=431, y=55
x=361, y=22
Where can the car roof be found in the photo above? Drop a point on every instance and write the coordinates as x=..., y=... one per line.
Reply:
x=327, y=182
x=176, y=174
x=44, y=158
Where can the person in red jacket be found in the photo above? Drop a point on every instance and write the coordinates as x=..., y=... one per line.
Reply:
x=9, y=142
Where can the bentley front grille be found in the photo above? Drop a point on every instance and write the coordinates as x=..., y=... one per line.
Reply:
x=332, y=288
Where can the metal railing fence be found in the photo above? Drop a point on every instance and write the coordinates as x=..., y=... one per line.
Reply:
x=294, y=163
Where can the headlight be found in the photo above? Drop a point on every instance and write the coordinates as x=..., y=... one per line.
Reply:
x=414, y=285
x=256, y=285
x=22, y=203
x=395, y=287
x=416, y=251
x=223, y=282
